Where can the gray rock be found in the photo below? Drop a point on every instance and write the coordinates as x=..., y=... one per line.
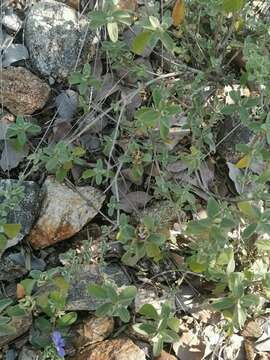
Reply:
x=28, y=353
x=21, y=324
x=79, y=298
x=11, y=270
x=26, y=211
x=230, y=134
x=64, y=212
x=55, y=35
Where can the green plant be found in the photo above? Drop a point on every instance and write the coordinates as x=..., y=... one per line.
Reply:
x=18, y=132
x=84, y=80
x=144, y=240
x=111, y=17
x=9, y=200
x=115, y=302
x=159, y=115
x=99, y=173
x=153, y=32
x=58, y=159
x=161, y=328
x=138, y=157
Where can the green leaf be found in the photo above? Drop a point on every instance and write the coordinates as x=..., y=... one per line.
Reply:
x=263, y=244
x=4, y=303
x=7, y=330
x=149, y=311
x=167, y=41
x=67, y=319
x=104, y=310
x=233, y=5
x=236, y=283
x=28, y=285
x=127, y=295
x=144, y=329
x=141, y=41
x=165, y=310
x=16, y=311
x=153, y=251
x=3, y=242
x=154, y=22
x=222, y=304
x=75, y=78
x=249, y=231
x=213, y=208
x=4, y=320
x=250, y=211
x=123, y=314
x=174, y=324
x=113, y=31
x=11, y=230
x=98, y=291
x=169, y=336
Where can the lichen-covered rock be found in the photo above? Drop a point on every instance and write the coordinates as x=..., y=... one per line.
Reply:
x=79, y=298
x=27, y=209
x=117, y=349
x=55, y=36
x=64, y=212
x=92, y=330
x=22, y=92
x=20, y=324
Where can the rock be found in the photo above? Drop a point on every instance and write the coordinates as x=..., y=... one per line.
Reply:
x=29, y=354
x=10, y=270
x=12, y=21
x=22, y=92
x=55, y=52
x=148, y=296
x=230, y=138
x=21, y=324
x=165, y=356
x=117, y=349
x=27, y=209
x=79, y=298
x=92, y=330
x=63, y=212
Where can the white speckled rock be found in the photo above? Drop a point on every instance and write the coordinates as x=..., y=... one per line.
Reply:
x=63, y=213
x=55, y=35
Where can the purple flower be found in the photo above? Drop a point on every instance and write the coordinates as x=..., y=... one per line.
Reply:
x=59, y=343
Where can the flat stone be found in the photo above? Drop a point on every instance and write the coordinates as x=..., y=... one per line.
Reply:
x=78, y=297
x=22, y=92
x=117, y=349
x=92, y=330
x=27, y=209
x=55, y=35
x=21, y=324
x=64, y=212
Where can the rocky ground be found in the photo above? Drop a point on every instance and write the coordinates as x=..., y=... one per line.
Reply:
x=67, y=224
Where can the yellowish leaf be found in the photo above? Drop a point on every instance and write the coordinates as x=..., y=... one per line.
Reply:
x=244, y=162
x=178, y=13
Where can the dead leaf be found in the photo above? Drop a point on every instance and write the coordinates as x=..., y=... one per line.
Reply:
x=134, y=201
x=178, y=13
x=11, y=158
x=20, y=292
